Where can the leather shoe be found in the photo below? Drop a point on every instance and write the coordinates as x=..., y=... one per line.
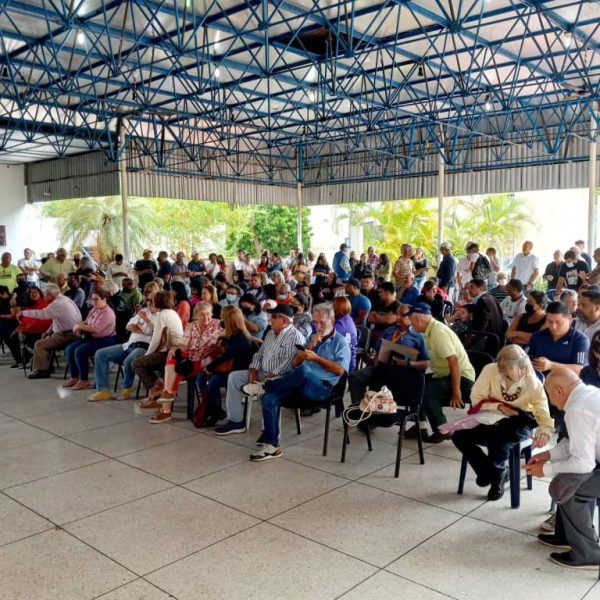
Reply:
x=411, y=434
x=498, y=482
x=549, y=539
x=39, y=375
x=437, y=437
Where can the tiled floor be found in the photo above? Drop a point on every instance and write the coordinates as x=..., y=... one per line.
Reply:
x=98, y=503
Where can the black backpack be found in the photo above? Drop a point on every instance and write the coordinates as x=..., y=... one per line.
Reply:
x=482, y=268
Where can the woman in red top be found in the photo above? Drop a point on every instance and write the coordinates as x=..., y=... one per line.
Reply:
x=263, y=265
x=31, y=330
x=182, y=303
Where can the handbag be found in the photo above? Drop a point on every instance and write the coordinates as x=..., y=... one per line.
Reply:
x=199, y=416
x=183, y=365
x=381, y=402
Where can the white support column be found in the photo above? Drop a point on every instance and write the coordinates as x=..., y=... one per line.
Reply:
x=441, y=182
x=592, y=184
x=124, y=198
x=299, y=218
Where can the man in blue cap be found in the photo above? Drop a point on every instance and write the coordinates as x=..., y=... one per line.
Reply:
x=453, y=375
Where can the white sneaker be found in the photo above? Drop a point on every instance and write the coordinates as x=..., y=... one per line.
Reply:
x=268, y=451
x=550, y=523
x=254, y=389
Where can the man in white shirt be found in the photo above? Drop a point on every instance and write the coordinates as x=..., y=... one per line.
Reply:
x=573, y=460
x=514, y=304
x=525, y=267
x=117, y=271
x=30, y=266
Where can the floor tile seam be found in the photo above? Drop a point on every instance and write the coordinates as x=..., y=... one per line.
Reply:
x=458, y=460
x=596, y=583
x=158, y=445
x=480, y=520
x=324, y=545
x=429, y=504
x=131, y=418
x=422, y=585
x=26, y=537
x=29, y=443
x=197, y=551
x=290, y=459
x=229, y=438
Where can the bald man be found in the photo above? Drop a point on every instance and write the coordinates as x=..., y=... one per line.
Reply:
x=577, y=456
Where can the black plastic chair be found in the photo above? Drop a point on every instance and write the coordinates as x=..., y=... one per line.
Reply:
x=479, y=360
x=407, y=386
x=482, y=341
x=336, y=398
x=514, y=472
x=362, y=345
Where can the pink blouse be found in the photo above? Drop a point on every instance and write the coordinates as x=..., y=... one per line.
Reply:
x=200, y=343
x=103, y=321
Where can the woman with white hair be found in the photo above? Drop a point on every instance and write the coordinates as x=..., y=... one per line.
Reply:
x=510, y=402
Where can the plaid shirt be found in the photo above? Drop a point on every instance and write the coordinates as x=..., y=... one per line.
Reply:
x=200, y=342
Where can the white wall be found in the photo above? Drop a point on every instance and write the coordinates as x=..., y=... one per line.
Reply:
x=24, y=224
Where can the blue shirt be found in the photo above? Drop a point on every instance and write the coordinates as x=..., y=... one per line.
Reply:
x=197, y=266
x=572, y=349
x=409, y=296
x=358, y=303
x=260, y=320
x=411, y=338
x=345, y=326
x=334, y=348
x=341, y=265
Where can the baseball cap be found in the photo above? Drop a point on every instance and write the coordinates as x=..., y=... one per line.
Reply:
x=353, y=281
x=420, y=308
x=282, y=309
x=446, y=245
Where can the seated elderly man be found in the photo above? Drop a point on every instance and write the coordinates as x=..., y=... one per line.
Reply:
x=75, y=292
x=400, y=333
x=65, y=316
x=274, y=358
x=573, y=464
x=141, y=328
x=316, y=371
x=452, y=373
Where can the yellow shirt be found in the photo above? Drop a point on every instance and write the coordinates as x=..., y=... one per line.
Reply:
x=8, y=276
x=442, y=342
x=52, y=267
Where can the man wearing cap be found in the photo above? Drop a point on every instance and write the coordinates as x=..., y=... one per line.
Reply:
x=273, y=358
x=453, y=375
x=341, y=263
x=399, y=333
x=447, y=271
x=361, y=305
x=316, y=371
x=145, y=269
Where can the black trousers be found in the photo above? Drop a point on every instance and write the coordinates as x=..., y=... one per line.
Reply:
x=499, y=440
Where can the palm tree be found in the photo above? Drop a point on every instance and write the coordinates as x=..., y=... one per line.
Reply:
x=98, y=222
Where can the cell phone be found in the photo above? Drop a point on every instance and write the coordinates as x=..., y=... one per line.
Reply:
x=300, y=347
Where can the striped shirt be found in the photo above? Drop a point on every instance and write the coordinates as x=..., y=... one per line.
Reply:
x=277, y=351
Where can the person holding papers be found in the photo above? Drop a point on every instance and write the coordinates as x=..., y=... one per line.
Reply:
x=509, y=403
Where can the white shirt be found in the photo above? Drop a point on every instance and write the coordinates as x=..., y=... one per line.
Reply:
x=30, y=264
x=580, y=452
x=147, y=330
x=524, y=267
x=588, y=329
x=63, y=312
x=512, y=309
x=465, y=272
x=113, y=268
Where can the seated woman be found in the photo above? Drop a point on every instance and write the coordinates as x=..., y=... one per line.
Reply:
x=302, y=316
x=8, y=326
x=383, y=270
x=238, y=352
x=430, y=296
x=256, y=320
x=263, y=265
x=278, y=279
x=182, y=303
x=321, y=268
x=363, y=267
x=31, y=330
x=209, y=294
x=198, y=344
x=345, y=326
x=533, y=319
x=140, y=328
x=248, y=268
x=510, y=402
x=97, y=331
x=300, y=268
x=167, y=332
x=590, y=374
x=212, y=267
x=196, y=287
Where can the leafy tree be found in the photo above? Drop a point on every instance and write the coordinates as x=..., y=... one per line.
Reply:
x=268, y=227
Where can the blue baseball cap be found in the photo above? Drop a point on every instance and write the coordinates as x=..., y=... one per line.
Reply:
x=420, y=308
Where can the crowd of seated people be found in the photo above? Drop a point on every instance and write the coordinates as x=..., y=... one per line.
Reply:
x=283, y=325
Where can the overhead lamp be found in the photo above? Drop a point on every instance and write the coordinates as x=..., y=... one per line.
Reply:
x=567, y=39
x=217, y=73
x=217, y=44
x=311, y=95
x=421, y=71
x=189, y=3
x=312, y=74
x=80, y=38
x=488, y=103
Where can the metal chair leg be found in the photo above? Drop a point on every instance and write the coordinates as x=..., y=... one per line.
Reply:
x=298, y=424
x=399, y=448
x=345, y=441
x=326, y=436
x=462, y=476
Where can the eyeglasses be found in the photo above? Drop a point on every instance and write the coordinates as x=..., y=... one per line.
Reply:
x=406, y=314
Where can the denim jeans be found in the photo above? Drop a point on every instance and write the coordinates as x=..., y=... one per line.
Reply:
x=280, y=389
x=115, y=354
x=78, y=354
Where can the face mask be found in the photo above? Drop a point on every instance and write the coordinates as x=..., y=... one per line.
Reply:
x=231, y=297
x=282, y=296
x=529, y=309
x=570, y=264
x=246, y=311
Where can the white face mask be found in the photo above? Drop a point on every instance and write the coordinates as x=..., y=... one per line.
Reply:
x=570, y=264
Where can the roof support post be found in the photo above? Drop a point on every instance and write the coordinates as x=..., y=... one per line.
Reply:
x=299, y=196
x=441, y=184
x=592, y=183
x=124, y=198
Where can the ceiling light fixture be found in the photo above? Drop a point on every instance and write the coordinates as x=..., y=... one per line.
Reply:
x=567, y=39
x=488, y=104
x=312, y=96
x=217, y=73
x=312, y=74
x=80, y=38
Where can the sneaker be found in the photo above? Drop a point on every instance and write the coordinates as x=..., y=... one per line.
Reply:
x=100, y=395
x=125, y=393
x=230, y=427
x=40, y=375
x=161, y=417
x=564, y=559
x=254, y=389
x=549, y=539
x=268, y=451
x=550, y=523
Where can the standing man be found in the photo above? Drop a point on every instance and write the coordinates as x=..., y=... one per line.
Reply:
x=584, y=255
x=453, y=375
x=372, y=258
x=30, y=266
x=552, y=270
x=145, y=269
x=57, y=264
x=117, y=271
x=573, y=463
x=341, y=263
x=487, y=315
x=403, y=266
x=447, y=271
x=594, y=277
x=525, y=267
x=8, y=272
x=588, y=321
